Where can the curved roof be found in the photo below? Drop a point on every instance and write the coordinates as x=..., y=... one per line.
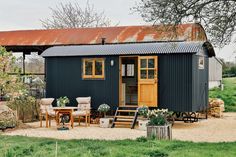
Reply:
x=129, y=49
x=85, y=36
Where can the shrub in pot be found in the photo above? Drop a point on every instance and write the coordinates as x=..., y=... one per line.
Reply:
x=104, y=122
x=158, y=126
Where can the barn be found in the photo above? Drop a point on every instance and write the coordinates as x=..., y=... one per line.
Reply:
x=171, y=75
x=215, y=72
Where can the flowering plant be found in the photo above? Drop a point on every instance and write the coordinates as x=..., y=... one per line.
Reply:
x=143, y=111
x=158, y=117
x=103, y=108
x=62, y=101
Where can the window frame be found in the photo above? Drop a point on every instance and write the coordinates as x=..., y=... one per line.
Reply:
x=93, y=76
x=201, y=65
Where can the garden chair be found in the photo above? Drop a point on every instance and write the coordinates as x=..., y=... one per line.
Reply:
x=46, y=111
x=84, y=106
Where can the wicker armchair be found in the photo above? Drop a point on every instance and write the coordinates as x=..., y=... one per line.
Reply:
x=84, y=106
x=46, y=111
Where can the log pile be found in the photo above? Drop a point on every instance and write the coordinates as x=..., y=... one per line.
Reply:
x=216, y=107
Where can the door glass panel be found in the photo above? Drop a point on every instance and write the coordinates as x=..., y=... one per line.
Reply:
x=130, y=69
x=98, y=68
x=151, y=63
x=88, y=68
x=143, y=63
x=143, y=74
x=151, y=74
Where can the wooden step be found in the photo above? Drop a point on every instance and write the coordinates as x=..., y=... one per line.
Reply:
x=123, y=123
x=129, y=106
x=126, y=110
x=124, y=120
x=125, y=117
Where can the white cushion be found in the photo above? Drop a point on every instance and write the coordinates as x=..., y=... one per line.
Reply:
x=83, y=100
x=50, y=112
x=46, y=101
x=78, y=113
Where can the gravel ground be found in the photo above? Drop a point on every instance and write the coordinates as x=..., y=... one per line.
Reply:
x=211, y=130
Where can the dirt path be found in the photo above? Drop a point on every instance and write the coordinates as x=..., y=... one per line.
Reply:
x=211, y=130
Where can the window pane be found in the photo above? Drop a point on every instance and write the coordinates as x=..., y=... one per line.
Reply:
x=88, y=68
x=143, y=74
x=98, y=68
x=123, y=69
x=130, y=69
x=143, y=63
x=151, y=74
x=151, y=63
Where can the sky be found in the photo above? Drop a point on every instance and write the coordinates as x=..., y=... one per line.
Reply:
x=26, y=14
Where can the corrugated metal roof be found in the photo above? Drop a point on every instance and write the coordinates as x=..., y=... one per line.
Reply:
x=125, y=49
x=83, y=36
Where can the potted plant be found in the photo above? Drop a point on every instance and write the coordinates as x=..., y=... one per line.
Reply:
x=143, y=119
x=62, y=101
x=104, y=122
x=158, y=126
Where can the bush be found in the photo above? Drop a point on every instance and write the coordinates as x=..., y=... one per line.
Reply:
x=26, y=107
x=158, y=117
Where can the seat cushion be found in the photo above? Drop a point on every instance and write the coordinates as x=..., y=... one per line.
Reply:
x=50, y=112
x=83, y=100
x=78, y=113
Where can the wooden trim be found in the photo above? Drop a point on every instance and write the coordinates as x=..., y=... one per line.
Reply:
x=93, y=76
x=120, y=81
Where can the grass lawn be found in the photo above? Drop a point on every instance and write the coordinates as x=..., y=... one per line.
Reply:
x=228, y=94
x=36, y=147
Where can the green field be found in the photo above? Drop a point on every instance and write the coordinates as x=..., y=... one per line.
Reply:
x=41, y=147
x=228, y=95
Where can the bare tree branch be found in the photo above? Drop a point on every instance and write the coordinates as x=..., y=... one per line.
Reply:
x=218, y=17
x=71, y=15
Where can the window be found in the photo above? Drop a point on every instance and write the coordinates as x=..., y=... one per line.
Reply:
x=201, y=62
x=147, y=68
x=127, y=70
x=93, y=68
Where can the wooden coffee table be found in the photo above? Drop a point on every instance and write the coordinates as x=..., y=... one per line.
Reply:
x=65, y=110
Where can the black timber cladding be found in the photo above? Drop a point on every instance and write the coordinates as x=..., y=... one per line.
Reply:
x=64, y=78
x=180, y=82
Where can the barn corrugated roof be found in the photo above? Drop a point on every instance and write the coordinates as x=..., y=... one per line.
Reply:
x=84, y=36
x=129, y=49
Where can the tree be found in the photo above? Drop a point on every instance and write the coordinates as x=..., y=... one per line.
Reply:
x=71, y=15
x=218, y=17
x=10, y=85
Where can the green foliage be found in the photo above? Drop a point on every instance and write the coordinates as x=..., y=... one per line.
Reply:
x=143, y=111
x=228, y=95
x=25, y=106
x=9, y=84
x=62, y=101
x=27, y=147
x=103, y=108
x=158, y=117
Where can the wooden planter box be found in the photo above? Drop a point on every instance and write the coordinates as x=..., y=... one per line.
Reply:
x=160, y=132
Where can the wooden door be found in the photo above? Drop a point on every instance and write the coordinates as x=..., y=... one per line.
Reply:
x=147, y=81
